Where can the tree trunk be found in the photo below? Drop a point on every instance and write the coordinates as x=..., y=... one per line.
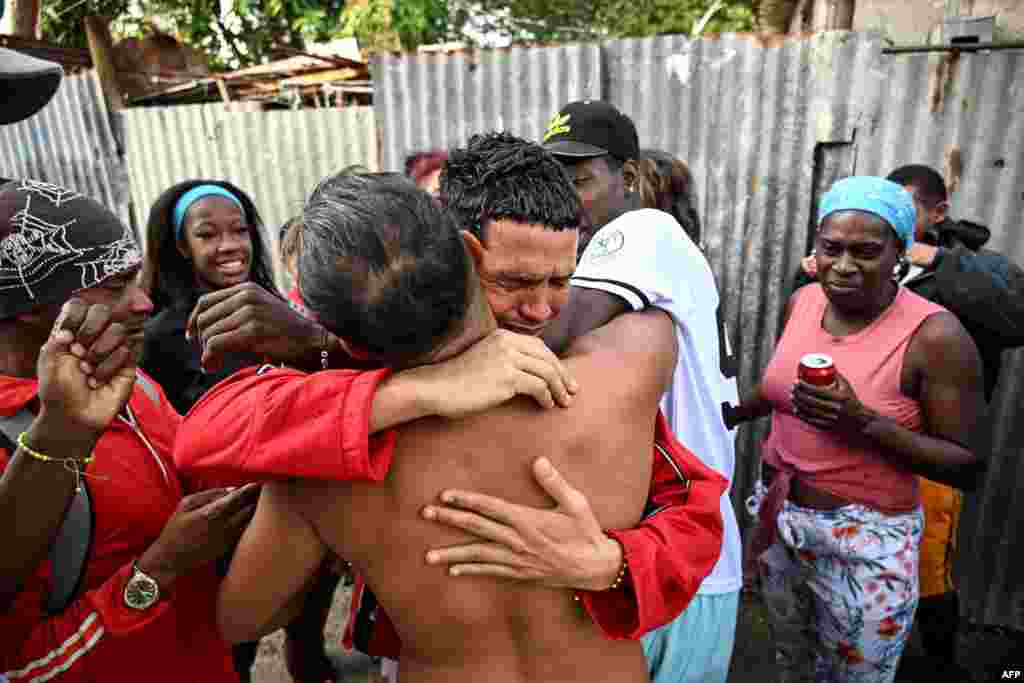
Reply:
x=773, y=16
x=25, y=14
x=833, y=15
x=101, y=49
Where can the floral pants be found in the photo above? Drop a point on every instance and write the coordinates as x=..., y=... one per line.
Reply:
x=841, y=587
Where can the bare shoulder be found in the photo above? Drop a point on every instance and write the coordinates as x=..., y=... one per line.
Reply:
x=633, y=348
x=942, y=345
x=648, y=331
x=939, y=331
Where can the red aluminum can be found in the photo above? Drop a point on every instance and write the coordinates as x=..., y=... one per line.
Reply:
x=817, y=369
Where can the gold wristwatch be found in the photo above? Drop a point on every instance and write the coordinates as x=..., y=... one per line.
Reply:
x=142, y=591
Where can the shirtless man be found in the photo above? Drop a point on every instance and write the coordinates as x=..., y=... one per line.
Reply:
x=480, y=628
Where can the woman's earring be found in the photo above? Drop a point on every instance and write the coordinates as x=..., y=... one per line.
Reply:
x=901, y=265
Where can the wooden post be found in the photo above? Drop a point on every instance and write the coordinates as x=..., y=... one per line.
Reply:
x=25, y=18
x=101, y=49
x=833, y=15
x=225, y=95
x=843, y=16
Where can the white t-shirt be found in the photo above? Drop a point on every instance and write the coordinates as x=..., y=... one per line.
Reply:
x=646, y=258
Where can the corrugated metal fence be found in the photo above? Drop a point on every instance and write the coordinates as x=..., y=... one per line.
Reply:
x=439, y=101
x=275, y=156
x=70, y=143
x=766, y=128
x=751, y=121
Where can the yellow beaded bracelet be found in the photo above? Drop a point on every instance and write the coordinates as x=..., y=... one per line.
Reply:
x=71, y=464
x=623, y=568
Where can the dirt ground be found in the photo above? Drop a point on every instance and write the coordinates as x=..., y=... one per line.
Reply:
x=352, y=666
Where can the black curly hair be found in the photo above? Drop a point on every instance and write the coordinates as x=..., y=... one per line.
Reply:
x=497, y=175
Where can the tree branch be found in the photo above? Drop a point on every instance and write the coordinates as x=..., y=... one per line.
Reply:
x=229, y=37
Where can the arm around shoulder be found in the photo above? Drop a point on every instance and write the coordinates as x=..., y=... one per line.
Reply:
x=278, y=554
x=588, y=309
x=645, y=338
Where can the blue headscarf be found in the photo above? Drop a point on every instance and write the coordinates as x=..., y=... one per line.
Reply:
x=877, y=196
x=194, y=195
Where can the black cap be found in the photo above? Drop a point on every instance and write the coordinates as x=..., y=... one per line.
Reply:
x=55, y=242
x=26, y=84
x=592, y=128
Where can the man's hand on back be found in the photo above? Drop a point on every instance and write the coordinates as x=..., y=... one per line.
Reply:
x=561, y=547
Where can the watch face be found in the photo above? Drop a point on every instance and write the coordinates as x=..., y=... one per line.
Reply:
x=141, y=592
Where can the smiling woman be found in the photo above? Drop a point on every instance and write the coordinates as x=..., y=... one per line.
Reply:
x=202, y=235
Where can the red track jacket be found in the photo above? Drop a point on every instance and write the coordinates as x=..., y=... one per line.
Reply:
x=97, y=639
x=285, y=423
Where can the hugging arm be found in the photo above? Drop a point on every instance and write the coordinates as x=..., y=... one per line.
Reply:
x=272, y=568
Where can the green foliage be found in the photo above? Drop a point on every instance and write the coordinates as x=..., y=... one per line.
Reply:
x=396, y=24
x=368, y=23
x=559, y=20
x=420, y=22
x=61, y=22
x=255, y=30
x=258, y=29
x=656, y=17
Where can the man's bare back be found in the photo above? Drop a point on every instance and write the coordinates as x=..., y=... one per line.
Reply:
x=482, y=629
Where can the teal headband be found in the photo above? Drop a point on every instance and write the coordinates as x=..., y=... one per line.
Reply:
x=883, y=198
x=194, y=195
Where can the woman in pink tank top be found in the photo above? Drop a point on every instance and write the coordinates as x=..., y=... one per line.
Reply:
x=840, y=524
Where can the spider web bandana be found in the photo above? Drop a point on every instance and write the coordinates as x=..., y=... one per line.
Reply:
x=55, y=242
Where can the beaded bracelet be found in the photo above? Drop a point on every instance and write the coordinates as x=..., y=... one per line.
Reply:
x=72, y=465
x=323, y=349
x=623, y=569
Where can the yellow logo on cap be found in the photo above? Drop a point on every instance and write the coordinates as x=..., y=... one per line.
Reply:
x=558, y=126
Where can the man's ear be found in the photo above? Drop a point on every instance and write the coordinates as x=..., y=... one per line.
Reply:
x=475, y=248
x=630, y=174
x=939, y=212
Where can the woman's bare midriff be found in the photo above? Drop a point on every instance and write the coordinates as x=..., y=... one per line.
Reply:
x=807, y=496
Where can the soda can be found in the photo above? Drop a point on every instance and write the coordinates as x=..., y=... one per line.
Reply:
x=817, y=369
